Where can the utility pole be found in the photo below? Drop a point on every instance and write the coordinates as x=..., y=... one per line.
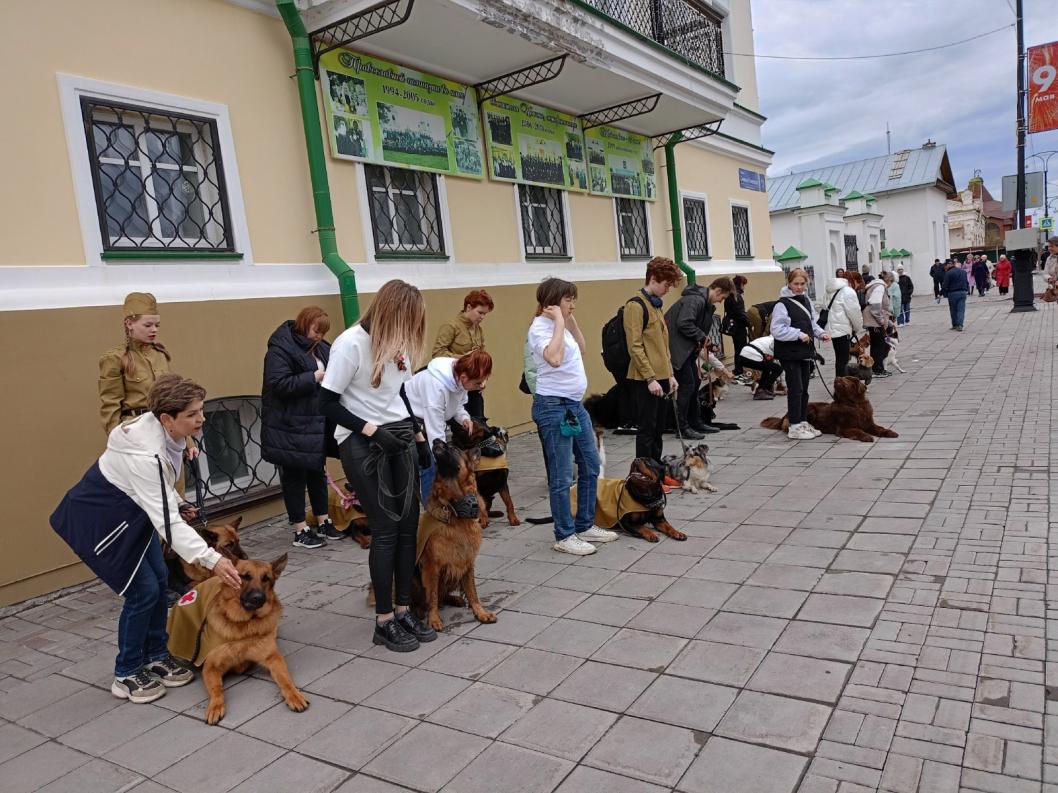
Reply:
x=1022, y=259
x=888, y=139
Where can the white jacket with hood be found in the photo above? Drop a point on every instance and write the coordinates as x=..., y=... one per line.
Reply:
x=130, y=463
x=436, y=396
x=846, y=317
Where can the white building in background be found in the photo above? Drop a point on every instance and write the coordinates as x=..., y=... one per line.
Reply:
x=911, y=188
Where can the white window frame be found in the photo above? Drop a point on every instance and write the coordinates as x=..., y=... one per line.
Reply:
x=704, y=198
x=566, y=222
x=649, y=229
x=368, y=230
x=73, y=87
x=419, y=194
x=749, y=219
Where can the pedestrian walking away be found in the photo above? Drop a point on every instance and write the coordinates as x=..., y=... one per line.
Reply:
x=793, y=324
x=1002, y=274
x=907, y=289
x=979, y=270
x=936, y=273
x=955, y=288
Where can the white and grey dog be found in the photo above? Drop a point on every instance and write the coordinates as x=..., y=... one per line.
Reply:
x=891, y=361
x=693, y=468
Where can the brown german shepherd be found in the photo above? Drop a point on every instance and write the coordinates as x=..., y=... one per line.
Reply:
x=246, y=622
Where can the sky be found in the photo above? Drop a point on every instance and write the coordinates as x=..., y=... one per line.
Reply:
x=829, y=112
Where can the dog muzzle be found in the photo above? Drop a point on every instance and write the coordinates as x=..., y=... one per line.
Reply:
x=490, y=447
x=466, y=507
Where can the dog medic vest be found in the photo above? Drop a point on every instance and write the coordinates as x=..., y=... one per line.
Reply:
x=612, y=502
x=491, y=463
x=189, y=635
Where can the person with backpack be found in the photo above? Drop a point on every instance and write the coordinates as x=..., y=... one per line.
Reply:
x=689, y=323
x=843, y=320
x=650, y=364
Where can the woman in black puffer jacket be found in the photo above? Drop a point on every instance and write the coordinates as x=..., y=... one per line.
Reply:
x=294, y=435
x=737, y=323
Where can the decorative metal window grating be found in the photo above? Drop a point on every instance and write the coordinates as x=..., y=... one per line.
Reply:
x=695, y=228
x=740, y=225
x=543, y=221
x=852, y=251
x=405, y=211
x=717, y=338
x=232, y=472
x=158, y=179
x=632, y=228
x=684, y=26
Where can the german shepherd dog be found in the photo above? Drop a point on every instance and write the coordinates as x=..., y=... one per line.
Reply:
x=491, y=442
x=223, y=538
x=449, y=538
x=644, y=485
x=246, y=621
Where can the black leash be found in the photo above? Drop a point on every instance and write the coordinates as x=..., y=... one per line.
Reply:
x=200, y=490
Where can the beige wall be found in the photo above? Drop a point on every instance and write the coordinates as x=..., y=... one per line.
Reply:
x=745, y=76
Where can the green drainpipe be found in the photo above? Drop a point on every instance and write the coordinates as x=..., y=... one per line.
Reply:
x=674, y=207
x=321, y=191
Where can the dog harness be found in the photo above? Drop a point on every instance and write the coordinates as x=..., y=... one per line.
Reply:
x=189, y=634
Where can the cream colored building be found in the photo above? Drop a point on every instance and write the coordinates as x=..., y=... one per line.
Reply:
x=165, y=147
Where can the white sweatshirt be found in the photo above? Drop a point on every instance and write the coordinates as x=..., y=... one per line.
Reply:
x=437, y=396
x=130, y=463
x=846, y=316
x=758, y=348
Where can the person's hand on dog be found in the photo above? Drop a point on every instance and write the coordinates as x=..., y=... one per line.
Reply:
x=654, y=387
x=468, y=424
x=422, y=449
x=226, y=572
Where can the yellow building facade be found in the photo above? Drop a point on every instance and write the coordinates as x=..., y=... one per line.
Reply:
x=229, y=240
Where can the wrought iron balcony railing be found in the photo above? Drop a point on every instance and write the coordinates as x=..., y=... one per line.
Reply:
x=683, y=26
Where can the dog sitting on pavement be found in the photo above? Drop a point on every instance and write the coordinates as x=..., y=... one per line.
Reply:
x=491, y=469
x=692, y=468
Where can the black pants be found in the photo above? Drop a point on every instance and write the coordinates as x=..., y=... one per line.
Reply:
x=650, y=414
x=936, y=289
x=841, y=354
x=627, y=408
x=475, y=405
x=797, y=374
x=770, y=370
x=689, y=376
x=739, y=338
x=879, y=349
x=294, y=481
x=1003, y=290
x=388, y=487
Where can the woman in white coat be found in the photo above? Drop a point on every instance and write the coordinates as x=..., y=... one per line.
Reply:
x=439, y=394
x=844, y=321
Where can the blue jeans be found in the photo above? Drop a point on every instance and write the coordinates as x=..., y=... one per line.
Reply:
x=957, y=308
x=560, y=451
x=426, y=477
x=142, y=637
x=905, y=314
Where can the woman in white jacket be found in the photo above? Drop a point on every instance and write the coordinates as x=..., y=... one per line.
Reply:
x=113, y=519
x=439, y=394
x=844, y=321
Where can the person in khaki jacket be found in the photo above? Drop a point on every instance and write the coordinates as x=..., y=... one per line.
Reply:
x=650, y=370
x=464, y=334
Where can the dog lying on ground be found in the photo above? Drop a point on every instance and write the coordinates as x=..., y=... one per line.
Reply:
x=850, y=415
x=223, y=538
x=223, y=630
x=344, y=511
x=491, y=469
x=691, y=468
x=449, y=538
x=635, y=503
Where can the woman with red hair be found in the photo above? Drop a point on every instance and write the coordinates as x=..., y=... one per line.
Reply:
x=464, y=334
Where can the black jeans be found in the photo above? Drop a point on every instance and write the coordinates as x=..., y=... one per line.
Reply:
x=388, y=488
x=689, y=376
x=797, y=373
x=294, y=481
x=936, y=288
x=650, y=412
x=879, y=349
x=841, y=354
x=739, y=338
x=627, y=408
x=475, y=404
x=770, y=370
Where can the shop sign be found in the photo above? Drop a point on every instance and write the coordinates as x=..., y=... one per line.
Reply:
x=384, y=113
x=751, y=180
x=530, y=144
x=621, y=163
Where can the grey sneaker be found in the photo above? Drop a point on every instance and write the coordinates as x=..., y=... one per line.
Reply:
x=139, y=688
x=170, y=673
x=307, y=538
x=328, y=531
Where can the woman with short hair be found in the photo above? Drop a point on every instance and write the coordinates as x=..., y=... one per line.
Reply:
x=463, y=334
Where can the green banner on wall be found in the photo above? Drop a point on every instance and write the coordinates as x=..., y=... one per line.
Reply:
x=535, y=145
x=621, y=163
x=383, y=113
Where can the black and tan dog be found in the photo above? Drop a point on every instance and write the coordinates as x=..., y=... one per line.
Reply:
x=491, y=469
x=222, y=537
x=449, y=538
x=635, y=503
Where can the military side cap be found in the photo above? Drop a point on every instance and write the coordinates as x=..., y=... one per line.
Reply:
x=137, y=303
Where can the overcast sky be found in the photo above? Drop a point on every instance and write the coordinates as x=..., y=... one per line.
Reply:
x=828, y=112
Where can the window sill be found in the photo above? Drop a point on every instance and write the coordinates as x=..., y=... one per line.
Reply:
x=744, y=258
x=415, y=257
x=545, y=257
x=635, y=257
x=699, y=258
x=173, y=256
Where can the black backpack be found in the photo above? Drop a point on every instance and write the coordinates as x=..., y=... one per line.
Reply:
x=615, y=355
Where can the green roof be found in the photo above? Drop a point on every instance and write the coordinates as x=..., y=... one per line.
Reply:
x=885, y=254
x=828, y=188
x=870, y=199
x=853, y=196
x=791, y=254
x=905, y=252
x=807, y=183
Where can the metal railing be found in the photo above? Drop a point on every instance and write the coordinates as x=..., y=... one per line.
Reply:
x=685, y=27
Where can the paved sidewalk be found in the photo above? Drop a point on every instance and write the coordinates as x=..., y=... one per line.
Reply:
x=844, y=618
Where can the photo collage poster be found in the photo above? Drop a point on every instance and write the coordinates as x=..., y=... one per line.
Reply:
x=621, y=164
x=535, y=145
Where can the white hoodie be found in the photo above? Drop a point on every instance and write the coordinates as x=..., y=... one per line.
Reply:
x=846, y=317
x=758, y=348
x=436, y=396
x=130, y=463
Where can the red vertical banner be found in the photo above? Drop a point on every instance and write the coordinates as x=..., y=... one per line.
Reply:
x=1043, y=87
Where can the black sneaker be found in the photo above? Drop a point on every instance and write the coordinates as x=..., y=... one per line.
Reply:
x=416, y=627
x=883, y=374
x=391, y=634
x=139, y=688
x=306, y=538
x=626, y=429
x=169, y=673
x=327, y=530
x=691, y=434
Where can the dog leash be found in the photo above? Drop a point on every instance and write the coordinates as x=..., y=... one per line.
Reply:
x=200, y=496
x=348, y=499
x=671, y=396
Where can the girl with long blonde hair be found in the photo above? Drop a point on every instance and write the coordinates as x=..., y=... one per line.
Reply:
x=382, y=447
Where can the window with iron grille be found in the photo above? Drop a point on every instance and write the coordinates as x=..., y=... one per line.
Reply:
x=632, y=228
x=740, y=226
x=405, y=211
x=543, y=221
x=158, y=179
x=694, y=228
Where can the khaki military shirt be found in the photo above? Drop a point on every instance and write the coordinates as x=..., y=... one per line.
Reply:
x=458, y=337
x=118, y=391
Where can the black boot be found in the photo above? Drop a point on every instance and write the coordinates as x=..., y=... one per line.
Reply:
x=392, y=634
x=690, y=433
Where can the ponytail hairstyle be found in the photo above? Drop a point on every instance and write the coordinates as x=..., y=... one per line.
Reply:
x=309, y=316
x=396, y=322
x=128, y=363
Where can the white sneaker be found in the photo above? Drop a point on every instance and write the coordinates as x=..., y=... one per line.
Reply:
x=574, y=545
x=815, y=433
x=595, y=534
x=798, y=432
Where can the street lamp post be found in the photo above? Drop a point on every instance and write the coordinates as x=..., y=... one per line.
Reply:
x=1045, y=157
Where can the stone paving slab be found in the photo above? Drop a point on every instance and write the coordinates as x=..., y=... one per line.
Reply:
x=844, y=618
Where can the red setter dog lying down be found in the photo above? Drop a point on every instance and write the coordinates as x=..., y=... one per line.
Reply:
x=850, y=415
